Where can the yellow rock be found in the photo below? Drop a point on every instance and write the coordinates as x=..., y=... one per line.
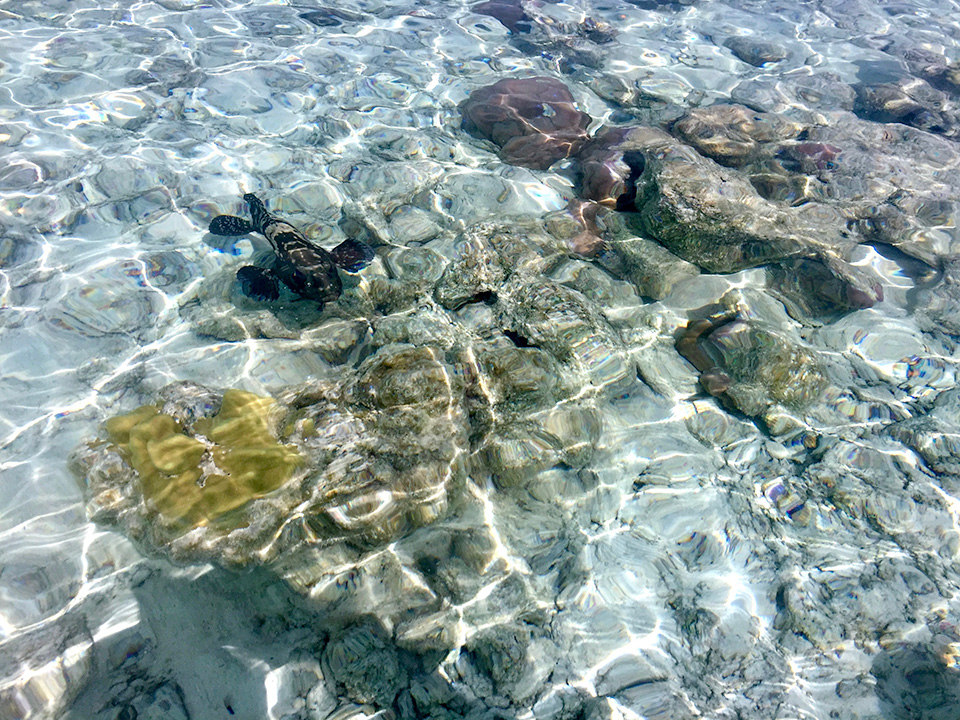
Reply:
x=198, y=476
x=175, y=454
x=244, y=419
x=119, y=427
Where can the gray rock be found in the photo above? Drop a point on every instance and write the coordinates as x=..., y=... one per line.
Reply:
x=57, y=659
x=560, y=320
x=935, y=435
x=513, y=659
x=476, y=272
x=418, y=266
x=938, y=305
x=337, y=340
x=627, y=672
x=806, y=98
x=764, y=369
x=881, y=176
x=187, y=402
x=918, y=225
x=910, y=101
x=714, y=218
x=364, y=662
x=711, y=216
x=654, y=270
x=914, y=682
x=755, y=52
x=410, y=225
x=733, y=134
x=813, y=289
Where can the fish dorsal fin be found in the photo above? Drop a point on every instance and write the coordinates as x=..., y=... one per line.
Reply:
x=230, y=225
x=352, y=255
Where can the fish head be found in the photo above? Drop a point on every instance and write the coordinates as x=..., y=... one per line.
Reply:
x=258, y=211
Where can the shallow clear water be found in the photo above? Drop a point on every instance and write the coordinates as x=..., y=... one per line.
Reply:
x=578, y=529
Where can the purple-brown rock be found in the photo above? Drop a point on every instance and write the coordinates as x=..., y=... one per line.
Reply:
x=510, y=13
x=609, y=166
x=534, y=121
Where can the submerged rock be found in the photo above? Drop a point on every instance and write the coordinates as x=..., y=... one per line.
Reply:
x=652, y=269
x=112, y=301
x=757, y=360
x=544, y=314
x=917, y=681
x=567, y=44
x=883, y=161
x=910, y=101
x=363, y=459
x=811, y=158
x=733, y=134
x=934, y=435
x=714, y=217
x=518, y=451
x=380, y=512
x=810, y=288
x=789, y=189
x=753, y=366
x=365, y=663
x=475, y=275
x=44, y=667
x=418, y=266
x=755, y=52
x=530, y=398
x=878, y=177
x=707, y=215
x=534, y=121
x=938, y=305
x=511, y=658
x=580, y=225
x=509, y=13
x=609, y=165
x=807, y=98
x=919, y=225
x=330, y=17
x=934, y=67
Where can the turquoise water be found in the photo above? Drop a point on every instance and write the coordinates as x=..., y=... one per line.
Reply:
x=527, y=482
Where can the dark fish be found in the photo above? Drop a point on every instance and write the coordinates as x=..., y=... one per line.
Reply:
x=303, y=266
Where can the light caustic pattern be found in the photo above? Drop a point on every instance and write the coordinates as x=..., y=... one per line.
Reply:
x=761, y=524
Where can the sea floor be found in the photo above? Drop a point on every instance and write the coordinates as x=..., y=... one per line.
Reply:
x=553, y=454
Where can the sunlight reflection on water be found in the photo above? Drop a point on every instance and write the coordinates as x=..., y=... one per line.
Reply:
x=620, y=530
